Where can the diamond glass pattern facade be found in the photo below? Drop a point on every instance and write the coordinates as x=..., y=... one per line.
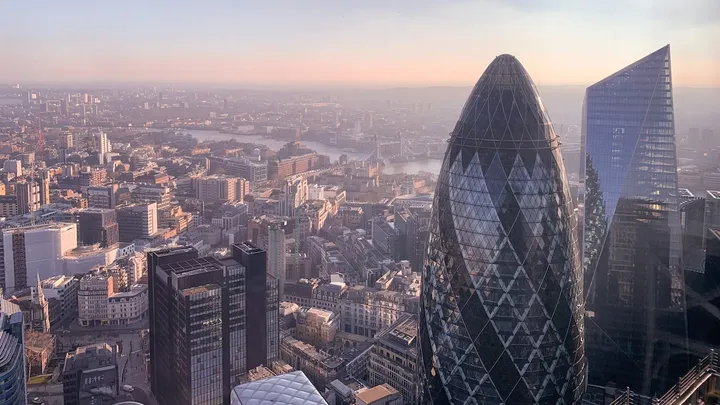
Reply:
x=501, y=318
x=633, y=278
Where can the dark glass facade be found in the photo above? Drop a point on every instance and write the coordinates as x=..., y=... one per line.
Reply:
x=501, y=319
x=204, y=334
x=633, y=279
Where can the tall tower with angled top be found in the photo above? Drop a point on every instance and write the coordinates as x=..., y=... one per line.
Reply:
x=633, y=279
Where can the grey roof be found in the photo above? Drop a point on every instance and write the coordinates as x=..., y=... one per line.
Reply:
x=286, y=389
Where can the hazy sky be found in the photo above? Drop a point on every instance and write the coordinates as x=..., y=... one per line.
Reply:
x=356, y=42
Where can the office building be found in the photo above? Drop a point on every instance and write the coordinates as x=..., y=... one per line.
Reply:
x=294, y=194
x=102, y=196
x=99, y=226
x=90, y=376
x=44, y=185
x=12, y=351
x=277, y=258
x=91, y=177
x=394, y=357
x=28, y=197
x=228, y=301
x=102, y=144
x=13, y=166
x=501, y=318
x=66, y=141
x=8, y=205
x=221, y=188
x=62, y=295
x=137, y=221
x=633, y=280
x=34, y=251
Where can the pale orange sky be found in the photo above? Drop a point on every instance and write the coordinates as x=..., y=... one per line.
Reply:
x=377, y=43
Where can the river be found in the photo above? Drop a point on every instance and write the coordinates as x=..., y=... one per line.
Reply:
x=432, y=165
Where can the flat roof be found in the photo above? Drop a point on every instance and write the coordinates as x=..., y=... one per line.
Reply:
x=377, y=393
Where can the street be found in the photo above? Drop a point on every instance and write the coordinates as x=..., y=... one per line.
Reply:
x=131, y=367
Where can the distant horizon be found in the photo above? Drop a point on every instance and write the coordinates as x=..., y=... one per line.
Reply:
x=277, y=86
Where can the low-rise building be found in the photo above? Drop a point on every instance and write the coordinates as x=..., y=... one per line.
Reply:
x=62, y=295
x=90, y=376
x=129, y=306
x=380, y=395
x=316, y=326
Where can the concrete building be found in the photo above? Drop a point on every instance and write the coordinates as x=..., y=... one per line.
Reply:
x=128, y=306
x=90, y=376
x=316, y=326
x=366, y=310
x=294, y=193
x=277, y=259
x=12, y=354
x=8, y=206
x=99, y=226
x=62, y=295
x=137, y=221
x=28, y=197
x=102, y=196
x=13, y=166
x=393, y=358
x=95, y=289
x=35, y=251
x=221, y=188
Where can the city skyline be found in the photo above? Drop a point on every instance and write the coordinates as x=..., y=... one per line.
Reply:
x=373, y=44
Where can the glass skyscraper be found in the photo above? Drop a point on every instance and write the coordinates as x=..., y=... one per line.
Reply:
x=633, y=280
x=501, y=318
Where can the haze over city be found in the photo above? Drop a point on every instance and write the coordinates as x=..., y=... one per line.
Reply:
x=343, y=43
x=429, y=202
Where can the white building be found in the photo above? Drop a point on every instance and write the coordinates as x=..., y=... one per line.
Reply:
x=64, y=289
x=33, y=252
x=316, y=192
x=128, y=307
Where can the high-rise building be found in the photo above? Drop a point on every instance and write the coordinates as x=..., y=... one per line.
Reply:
x=102, y=196
x=90, y=376
x=13, y=166
x=66, y=140
x=31, y=252
x=208, y=322
x=44, y=186
x=28, y=197
x=99, y=225
x=12, y=354
x=137, y=221
x=294, y=194
x=277, y=259
x=501, y=316
x=633, y=280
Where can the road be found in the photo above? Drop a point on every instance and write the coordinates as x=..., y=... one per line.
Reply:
x=131, y=367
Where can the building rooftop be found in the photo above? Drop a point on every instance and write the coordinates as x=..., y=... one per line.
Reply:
x=90, y=357
x=371, y=395
x=56, y=281
x=713, y=194
x=193, y=266
x=286, y=389
x=401, y=335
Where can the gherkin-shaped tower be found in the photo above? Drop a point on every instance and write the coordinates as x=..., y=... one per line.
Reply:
x=501, y=317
